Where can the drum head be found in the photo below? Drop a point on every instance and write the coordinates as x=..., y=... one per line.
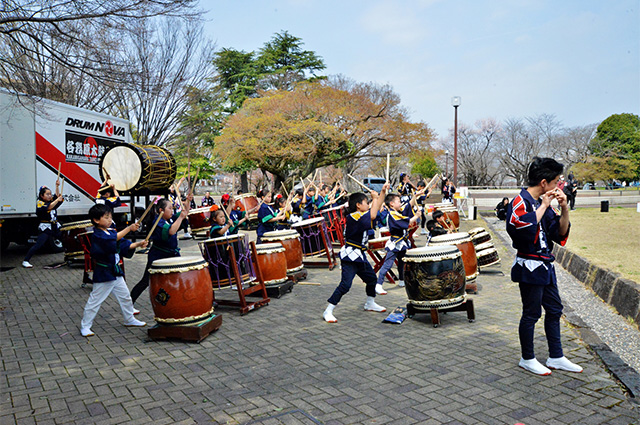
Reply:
x=200, y=210
x=486, y=245
x=308, y=222
x=267, y=248
x=123, y=166
x=451, y=238
x=432, y=253
x=76, y=225
x=178, y=262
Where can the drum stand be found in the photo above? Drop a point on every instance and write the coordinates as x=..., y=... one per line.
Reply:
x=331, y=257
x=295, y=277
x=195, y=332
x=467, y=306
x=245, y=290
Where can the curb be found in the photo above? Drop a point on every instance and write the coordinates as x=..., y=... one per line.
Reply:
x=622, y=294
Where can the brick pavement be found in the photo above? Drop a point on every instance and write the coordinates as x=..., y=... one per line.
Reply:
x=282, y=364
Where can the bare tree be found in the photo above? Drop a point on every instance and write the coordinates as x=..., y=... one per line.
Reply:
x=477, y=148
x=172, y=57
x=572, y=144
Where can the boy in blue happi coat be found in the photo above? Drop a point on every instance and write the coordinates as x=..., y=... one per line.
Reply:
x=107, y=249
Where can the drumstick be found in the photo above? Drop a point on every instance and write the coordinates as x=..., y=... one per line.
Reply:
x=285, y=189
x=59, y=165
x=153, y=228
x=360, y=184
x=387, y=167
x=151, y=204
x=193, y=186
x=309, y=283
x=62, y=187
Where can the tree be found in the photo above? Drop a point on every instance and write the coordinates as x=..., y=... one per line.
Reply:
x=477, y=149
x=291, y=133
x=619, y=136
x=607, y=169
x=424, y=164
x=50, y=48
x=572, y=145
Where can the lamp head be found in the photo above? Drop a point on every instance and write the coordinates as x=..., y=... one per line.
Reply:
x=455, y=101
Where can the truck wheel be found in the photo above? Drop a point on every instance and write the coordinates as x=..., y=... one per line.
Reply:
x=4, y=243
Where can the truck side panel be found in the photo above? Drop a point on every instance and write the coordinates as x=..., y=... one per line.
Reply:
x=18, y=190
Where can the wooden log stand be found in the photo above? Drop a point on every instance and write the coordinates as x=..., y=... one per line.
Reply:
x=194, y=333
x=296, y=277
x=435, y=312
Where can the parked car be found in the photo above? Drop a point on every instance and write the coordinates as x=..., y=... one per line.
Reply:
x=374, y=183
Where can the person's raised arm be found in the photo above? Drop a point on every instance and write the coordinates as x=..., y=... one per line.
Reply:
x=378, y=199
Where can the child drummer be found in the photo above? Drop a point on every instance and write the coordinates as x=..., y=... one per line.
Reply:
x=399, y=220
x=352, y=254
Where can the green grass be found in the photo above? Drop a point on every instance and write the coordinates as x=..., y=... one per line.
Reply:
x=610, y=240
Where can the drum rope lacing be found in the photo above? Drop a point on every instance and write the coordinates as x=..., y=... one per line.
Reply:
x=243, y=256
x=313, y=231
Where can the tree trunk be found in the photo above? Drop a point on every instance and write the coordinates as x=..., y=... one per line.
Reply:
x=244, y=182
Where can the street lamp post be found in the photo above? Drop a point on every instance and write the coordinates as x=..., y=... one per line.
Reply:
x=455, y=102
x=446, y=163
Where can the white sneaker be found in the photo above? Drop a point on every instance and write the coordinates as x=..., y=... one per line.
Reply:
x=136, y=311
x=534, y=366
x=401, y=283
x=85, y=332
x=380, y=290
x=371, y=305
x=27, y=265
x=135, y=323
x=423, y=231
x=563, y=363
x=187, y=236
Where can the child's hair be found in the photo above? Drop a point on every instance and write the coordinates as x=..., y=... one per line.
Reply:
x=325, y=187
x=42, y=191
x=355, y=199
x=311, y=189
x=431, y=224
x=216, y=213
x=299, y=191
x=239, y=192
x=505, y=199
x=105, y=190
x=162, y=204
x=98, y=211
x=543, y=168
x=262, y=193
x=421, y=183
x=437, y=214
x=389, y=198
x=280, y=201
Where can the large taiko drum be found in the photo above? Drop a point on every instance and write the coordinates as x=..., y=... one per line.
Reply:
x=487, y=255
x=250, y=204
x=462, y=241
x=481, y=237
x=335, y=219
x=68, y=236
x=272, y=262
x=434, y=277
x=132, y=167
x=290, y=240
x=180, y=290
x=216, y=252
x=199, y=219
x=313, y=236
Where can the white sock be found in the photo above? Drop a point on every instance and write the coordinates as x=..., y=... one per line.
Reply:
x=330, y=308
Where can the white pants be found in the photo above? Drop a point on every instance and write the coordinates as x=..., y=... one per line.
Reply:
x=100, y=293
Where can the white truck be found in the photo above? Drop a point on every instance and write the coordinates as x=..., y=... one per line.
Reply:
x=36, y=139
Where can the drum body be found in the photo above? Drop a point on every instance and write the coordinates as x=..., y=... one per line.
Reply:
x=434, y=277
x=451, y=214
x=134, y=168
x=384, y=231
x=462, y=241
x=487, y=255
x=378, y=244
x=312, y=232
x=290, y=240
x=481, y=237
x=180, y=290
x=475, y=231
x=68, y=236
x=216, y=252
x=250, y=204
x=335, y=219
x=272, y=262
x=199, y=219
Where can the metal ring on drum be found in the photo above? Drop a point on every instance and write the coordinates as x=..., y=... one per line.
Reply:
x=272, y=263
x=434, y=277
x=216, y=252
x=133, y=167
x=290, y=240
x=180, y=290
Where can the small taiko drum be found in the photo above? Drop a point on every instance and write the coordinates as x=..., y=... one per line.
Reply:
x=434, y=277
x=180, y=290
x=462, y=241
x=384, y=231
x=378, y=244
x=290, y=240
x=68, y=236
x=481, y=237
x=451, y=214
x=221, y=269
x=199, y=219
x=475, y=231
x=335, y=220
x=487, y=255
x=250, y=204
x=314, y=237
x=272, y=263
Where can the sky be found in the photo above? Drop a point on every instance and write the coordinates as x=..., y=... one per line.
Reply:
x=577, y=60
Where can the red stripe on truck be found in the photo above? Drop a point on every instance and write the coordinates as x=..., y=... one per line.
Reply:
x=51, y=156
